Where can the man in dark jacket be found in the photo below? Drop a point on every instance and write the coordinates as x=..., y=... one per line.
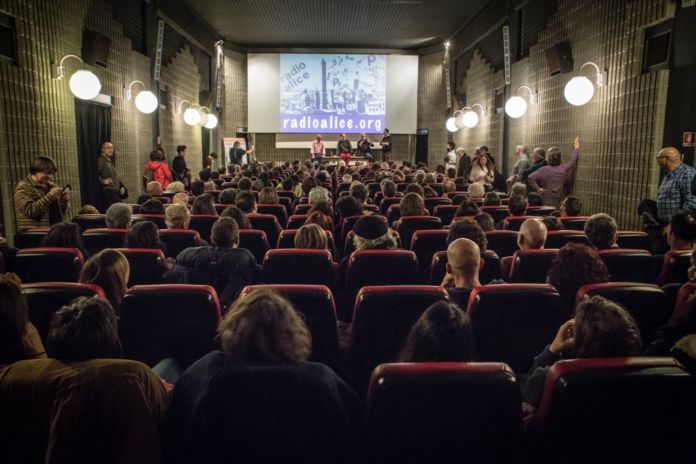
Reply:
x=223, y=266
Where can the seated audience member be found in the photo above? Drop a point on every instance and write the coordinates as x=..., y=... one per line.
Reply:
x=318, y=195
x=204, y=174
x=227, y=197
x=86, y=406
x=491, y=199
x=411, y=204
x=180, y=198
x=532, y=236
x=19, y=339
x=118, y=216
x=476, y=190
x=308, y=184
x=154, y=189
x=204, y=204
x=443, y=333
x=210, y=186
x=448, y=185
x=415, y=188
x=358, y=191
x=318, y=217
x=197, y=187
x=260, y=183
x=682, y=326
x=152, y=207
x=261, y=379
x=89, y=209
x=245, y=184
x=467, y=208
x=110, y=270
x=311, y=236
x=681, y=230
x=428, y=192
x=485, y=220
x=601, y=230
x=388, y=188
x=145, y=234
x=463, y=266
x=246, y=201
x=534, y=199
x=518, y=188
x=176, y=187
x=571, y=206
x=65, y=235
x=222, y=265
x=268, y=196
x=237, y=214
x=468, y=228
x=552, y=223
x=372, y=233
x=601, y=329
x=574, y=266
x=177, y=216
x=348, y=206
x=517, y=205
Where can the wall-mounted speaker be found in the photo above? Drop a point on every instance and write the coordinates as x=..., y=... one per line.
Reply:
x=95, y=48
x=559, y=58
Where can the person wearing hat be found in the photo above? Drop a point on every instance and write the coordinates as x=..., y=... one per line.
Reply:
x=370, y=233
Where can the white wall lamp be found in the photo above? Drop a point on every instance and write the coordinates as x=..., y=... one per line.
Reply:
x=516, y=106
x=191, y=115
x=468, y=117
x=83, y=84
x=579, y=90
x=451, y=124
x=146, y=101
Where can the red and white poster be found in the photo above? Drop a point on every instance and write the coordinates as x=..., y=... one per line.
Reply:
x=688, y=139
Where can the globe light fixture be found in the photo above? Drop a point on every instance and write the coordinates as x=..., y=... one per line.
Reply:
x=516, y=106
x=471, y=119
x=580, y=90
x=146, y=101
x=192, y=116
x=451, y=125
x=212, y=122
x=84, y=84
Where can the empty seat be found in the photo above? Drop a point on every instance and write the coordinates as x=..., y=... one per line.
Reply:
x=177, y=240
x=268, y=223
x=628, y=265
x=299, y=266
x=444, y=412
x=96, y=240
x=618, y=409
x=296, y=221
x=540, y=210
x=393, y=213
x=158, y=219
x=558, y=238
x=90, y=221
x=386, y=202
x=169, y=321
x=574, y=222
x=445, y=213
x=514, y=222
x=203, y=224
x=513, y=323
x=490, y=269
x=382, y=320
x=48, y=264
x=425, y=243
x=316, y=303
x=503, y=242
x=646, y=303
x=431, y=203
x=45, y=298
x=255, y=241
x=633, y=239
x=30, y=238
x=147, y=266
x=276, y=210
x=408, y=225
x=531, y=266
x=675, y=267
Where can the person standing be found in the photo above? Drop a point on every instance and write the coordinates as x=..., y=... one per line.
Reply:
x=386, y=144
x=674, y=192
x=158, y=170
x=180, y=171
x=550, y=180
x=520, y=165
x=38, y=201
x=344, y=149
x=108, y=176
x=318, y=150
x=365, y=147
x=464, y=163
x=237, y=153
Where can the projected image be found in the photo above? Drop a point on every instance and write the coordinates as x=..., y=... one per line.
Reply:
x=332, y=93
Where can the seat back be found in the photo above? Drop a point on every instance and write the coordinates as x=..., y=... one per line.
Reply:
x=683, y=295
x=177, y=240
x=48, y=264
x=513, y=323
x=296, y=221
x=45, y=298
x=574, y=222
x=531, y=266
x=386, y=202
x=622, y=409
x=268, y=223
x=408, y=225
x=540, y=210
x=90, y=221
x=348, y=223
x=169, y=321
x=431, y=203
x=514, y=222
x=147, y=266
x=444, y=412
x=316, y=304
x=503, y=242
x=646, y=303
x=203, y=224
x=255, y=241
x=626, y=265
x=393, y=213
x=287, y=240
x=675, y=267
x=445, y=213
x=425, y=243
x=299, y=266
x=633, y=239
x=158, y=219
x=30, y=238
x=96, y=240
x=276, y=210
x=498, y=213
x=558, y=238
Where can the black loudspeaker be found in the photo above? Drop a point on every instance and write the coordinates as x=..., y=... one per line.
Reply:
x=559, y=58
x=422, y=146
x=95, y=48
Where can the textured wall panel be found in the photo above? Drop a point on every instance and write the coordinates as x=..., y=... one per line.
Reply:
x=432, y=104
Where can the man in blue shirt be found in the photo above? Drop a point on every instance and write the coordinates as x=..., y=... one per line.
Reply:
x=675, y=189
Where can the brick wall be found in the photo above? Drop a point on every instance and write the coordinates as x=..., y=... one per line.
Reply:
x=432, y=104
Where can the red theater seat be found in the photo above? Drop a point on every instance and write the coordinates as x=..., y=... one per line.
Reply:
x=147, y=266
x=296, y=221
x=574, y=222
x=531, y=266
x=203, y=224
x=675, y=267
x=408, y=225
x=393, y=213
x=177, y=240
x=619, y=409
x=387, y=202
x=513, y=323
x=48, y=264
x=444, y=412
x=96, y=240
x=540, y=210
x=30, y=238
x=425, y=243
x=287, y=240
x=45, y=298
x=503, y=242
x=445, y=213
x=685, y=292
x=90, y=221
x=431, y=203
x=268, y=223
x=627, y=265
x=158, y=219
x=558, y=238
x=299, y=266
x=498, y=213
x=633, y=239
x=276, y=210
x=515, y=222
x=169, y=321
x=255, y=241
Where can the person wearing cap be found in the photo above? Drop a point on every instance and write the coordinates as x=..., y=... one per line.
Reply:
x=370, y=233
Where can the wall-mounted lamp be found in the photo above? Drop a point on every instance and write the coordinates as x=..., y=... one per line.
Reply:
x=212, y=121
x=579, y=90
x=516, y=106
x=468, y=117
x=146, y=101
x=451, y=123
x=83, y=84
x=191, y=115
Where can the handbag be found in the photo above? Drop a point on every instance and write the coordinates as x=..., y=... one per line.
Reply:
x=122, y=191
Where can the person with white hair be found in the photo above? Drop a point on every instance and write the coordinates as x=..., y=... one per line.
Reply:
x=176, y=187
x=119, y=216
x=476, y=190
x=318, y=195
x=521, y=164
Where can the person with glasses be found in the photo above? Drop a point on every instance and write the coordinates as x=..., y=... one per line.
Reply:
x=674, y=193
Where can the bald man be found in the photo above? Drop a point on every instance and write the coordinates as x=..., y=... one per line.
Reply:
x=463, y=265
x=532, y=236
x=675, y=190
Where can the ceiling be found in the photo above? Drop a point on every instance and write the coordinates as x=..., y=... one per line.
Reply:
x=374, y=24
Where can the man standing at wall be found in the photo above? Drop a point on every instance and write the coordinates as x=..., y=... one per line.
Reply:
x=108, y=176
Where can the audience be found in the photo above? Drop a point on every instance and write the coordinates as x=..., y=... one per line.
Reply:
x=89, y=209
x=318, y=195
x=177, y=216
x=204, y=204
x=19, y=339
x=470, y=229
x=197, y=187
x=681, y=230
x=463, y=266
x=571, y=206
x=552, y=223
x=359, y=191
x=246, y=201
x=491, y=199
x=412, y=204
x=110, y=270
x=118, y=216
x=145, y=234
x=176, y=187
x=239, y=216
x=602, y=231
x=311, y=236
x=372, y=233
x=518, y=188
x=534, y=199
x=466, y=208
x=574, y=266
x=476, y=190
x=154, y=189
x=348, y=206
x=65, y=235
x=517, y=205
x=485, y=220
x=180, y=198
x=268, y=196
x=152, y=207
x=532, y=236
x=227, y=197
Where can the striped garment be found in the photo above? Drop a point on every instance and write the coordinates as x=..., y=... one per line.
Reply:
x=32, y=203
